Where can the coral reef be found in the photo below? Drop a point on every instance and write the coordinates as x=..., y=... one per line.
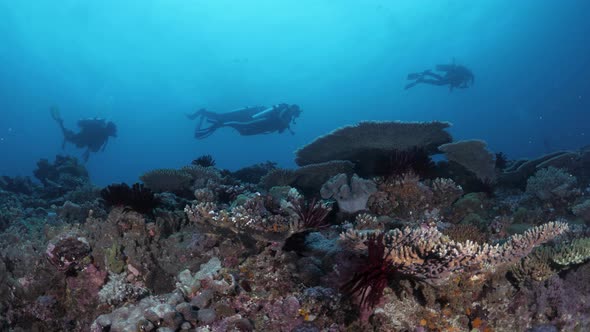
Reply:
x=406, y=251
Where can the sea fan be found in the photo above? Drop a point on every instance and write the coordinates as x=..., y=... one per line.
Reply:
x=372, y=276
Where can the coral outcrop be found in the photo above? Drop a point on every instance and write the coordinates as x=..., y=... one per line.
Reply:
x=352, y=195
x=347, y=143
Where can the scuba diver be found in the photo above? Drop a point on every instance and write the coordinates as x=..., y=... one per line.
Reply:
x=455, y=76
x=94, y=133
x=248, y=120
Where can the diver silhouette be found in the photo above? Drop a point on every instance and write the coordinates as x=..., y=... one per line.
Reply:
x=94, y=133
x=455, y=76
x=248, y=121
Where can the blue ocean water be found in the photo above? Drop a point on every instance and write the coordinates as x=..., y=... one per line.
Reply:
x=144, y=64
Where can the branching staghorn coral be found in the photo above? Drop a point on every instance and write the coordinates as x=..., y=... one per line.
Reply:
x=547, y=261
x=551, y=184
x=428, y=255
x=575, y=252
x=250, y=219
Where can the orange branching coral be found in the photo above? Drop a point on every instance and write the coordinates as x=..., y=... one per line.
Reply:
x=427, y=254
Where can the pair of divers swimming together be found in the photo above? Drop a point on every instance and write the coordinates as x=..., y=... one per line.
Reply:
x=258, y=120
x=248, y=121
x=95, y=133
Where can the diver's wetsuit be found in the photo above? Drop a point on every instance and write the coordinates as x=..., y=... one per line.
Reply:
x=94, y=134
x=455, y=76
x=248, y=121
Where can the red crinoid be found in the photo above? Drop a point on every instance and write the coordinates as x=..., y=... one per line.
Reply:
x=371, y=278
x=311, y=214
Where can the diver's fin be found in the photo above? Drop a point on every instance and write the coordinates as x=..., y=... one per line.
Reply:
x=416, y=76
x=55, y=114
x=195, y=114
x=410, y=85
